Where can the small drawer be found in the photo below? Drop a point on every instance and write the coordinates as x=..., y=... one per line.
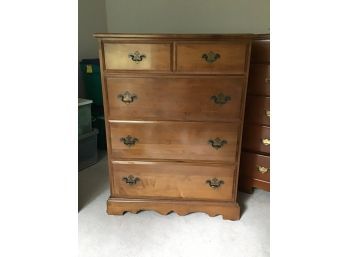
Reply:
x=255, y=166
x=256, y=138
x=212, y=57
x=260, y=52
x=174, y=140
x=257, y=110
x=259, y=80
x=172, y=180
x=178, y=98
x=122, y=56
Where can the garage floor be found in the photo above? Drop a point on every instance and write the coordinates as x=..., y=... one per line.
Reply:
x=149, y=234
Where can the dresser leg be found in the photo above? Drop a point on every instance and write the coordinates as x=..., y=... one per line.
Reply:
x=232, y=213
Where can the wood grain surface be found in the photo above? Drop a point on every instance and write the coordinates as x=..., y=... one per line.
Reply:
x=175, y=140
x=249, y=166
x=176, y=98
x=259, y=80
x=229, y=210
x=172, y=180
x=232, y=58
x=170, y=102
x=254, y=138
x=256, y=110
x=257, y=121
x=157, y=56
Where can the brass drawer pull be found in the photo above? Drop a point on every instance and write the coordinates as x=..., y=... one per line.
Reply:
x=268, y=113
x=214, y=183
x=130, y=180
x=262, y=169
x=210, y=57
x=127, y=97
x=136, y=56
x=129, y=140
x=217, y=143
x=266, y=141
x=220, y=98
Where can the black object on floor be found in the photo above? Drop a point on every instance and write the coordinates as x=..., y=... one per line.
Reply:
x=88, y=153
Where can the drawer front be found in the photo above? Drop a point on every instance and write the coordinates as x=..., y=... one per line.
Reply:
x=172, y=180
x=174, y=140
x=256, y=138
x=212, y=57
x=194, y=99
x=259, y=80
x=257, y=110
x=120, y=56
x=255, y=166
x=260, y=52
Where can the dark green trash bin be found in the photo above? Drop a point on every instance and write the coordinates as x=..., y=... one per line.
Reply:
x=91, y=77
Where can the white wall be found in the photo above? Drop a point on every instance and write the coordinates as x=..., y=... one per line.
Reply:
x=167, y=16
x=92, y=19
x=188, y=16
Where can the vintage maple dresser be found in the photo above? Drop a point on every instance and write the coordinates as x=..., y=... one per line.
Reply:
x=174, y=108
x=255, y=157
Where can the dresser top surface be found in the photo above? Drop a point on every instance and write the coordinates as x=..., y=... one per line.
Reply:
x=176, y=36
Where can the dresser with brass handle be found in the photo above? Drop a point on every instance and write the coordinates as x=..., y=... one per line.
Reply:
x=255, y=157
x=174, y=111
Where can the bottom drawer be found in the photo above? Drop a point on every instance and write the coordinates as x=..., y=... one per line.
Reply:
x=172, y=180
x=255, y=166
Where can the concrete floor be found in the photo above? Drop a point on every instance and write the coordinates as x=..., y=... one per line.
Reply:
x=149, y=234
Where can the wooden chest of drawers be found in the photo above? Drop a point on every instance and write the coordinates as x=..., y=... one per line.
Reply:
x=174, y=108
x=255, y=159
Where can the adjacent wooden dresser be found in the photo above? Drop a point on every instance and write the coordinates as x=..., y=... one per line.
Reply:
x=174, y=108
x=255, y=158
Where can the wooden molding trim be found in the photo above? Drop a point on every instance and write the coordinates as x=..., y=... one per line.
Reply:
x=171, y=36
x=119, y=206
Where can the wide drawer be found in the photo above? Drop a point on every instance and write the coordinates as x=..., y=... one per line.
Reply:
x=176, y=98
x=255, y=166
x=259, y=80
x=229, y=57
x=257, y=110
x=172, y=180
x=136, y=56
x=256, y=138
x=174, y=140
